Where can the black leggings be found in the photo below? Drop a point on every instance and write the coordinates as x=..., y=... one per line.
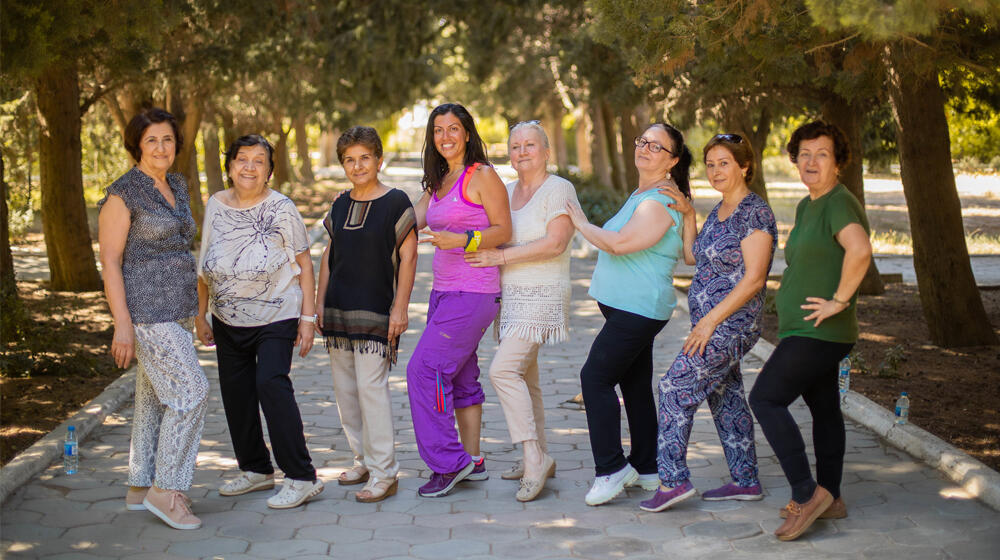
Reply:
x=805, y=367
x=622, y=354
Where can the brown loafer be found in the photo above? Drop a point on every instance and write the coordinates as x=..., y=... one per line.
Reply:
x=377, y=490
x=837, y=510
x=801, y=517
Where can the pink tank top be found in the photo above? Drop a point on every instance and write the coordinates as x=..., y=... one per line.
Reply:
x=455, y=212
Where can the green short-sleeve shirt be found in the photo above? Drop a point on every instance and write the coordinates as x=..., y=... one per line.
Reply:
x=814, y=259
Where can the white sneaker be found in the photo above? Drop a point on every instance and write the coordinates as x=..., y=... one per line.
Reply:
x=647, y=482
x=295, y=493
x=247, y=482
x=605, y=488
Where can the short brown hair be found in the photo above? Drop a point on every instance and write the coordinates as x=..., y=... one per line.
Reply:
x=815, y=129
x=138, y=125
x=364, y=135
x=739, y=147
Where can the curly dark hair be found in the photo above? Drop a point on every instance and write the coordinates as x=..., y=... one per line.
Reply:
x=138, y=125
x=816, y=129
x=363, y=135
x=739, y=147
x=435, y=166
x=246, y=142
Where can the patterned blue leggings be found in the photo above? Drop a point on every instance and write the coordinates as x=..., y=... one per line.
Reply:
x=690, y=380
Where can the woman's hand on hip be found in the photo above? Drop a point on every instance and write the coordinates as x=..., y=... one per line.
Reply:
x=398, y=322
x=697, y=341
x=304, y=340
x=484, y=258
x=822, y=309
x=444, y=240
x=681, y=203
x=204, y=331
x=123, y=345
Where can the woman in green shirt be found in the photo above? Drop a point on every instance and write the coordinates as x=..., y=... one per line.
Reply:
x=827, y=254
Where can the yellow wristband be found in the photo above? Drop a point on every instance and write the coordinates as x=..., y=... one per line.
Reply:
x=473, y=246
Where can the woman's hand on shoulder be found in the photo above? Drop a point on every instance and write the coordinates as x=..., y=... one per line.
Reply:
x=681, y=202
x=576, y=214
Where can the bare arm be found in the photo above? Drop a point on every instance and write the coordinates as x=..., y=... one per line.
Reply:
x=307, y=282
x=646, y=226
x=558, y=234
x=857, y=254
x=114, y=222
x=398, y=319
x=420, y=209
x=324, y=281
x=487, y=189
x=201, y=326
x=756, y=249
x=683, y=205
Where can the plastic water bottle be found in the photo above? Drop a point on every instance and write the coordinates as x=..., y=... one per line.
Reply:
x=902, y=408
x=71, y=457
x=844, y=377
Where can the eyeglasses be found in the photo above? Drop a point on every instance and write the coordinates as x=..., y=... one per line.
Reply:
x=515, y=125
x=651, y=146
x=731, y=138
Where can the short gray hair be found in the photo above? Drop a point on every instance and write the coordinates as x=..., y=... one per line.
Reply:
x=529, y=125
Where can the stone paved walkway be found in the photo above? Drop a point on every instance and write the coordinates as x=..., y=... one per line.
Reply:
x=898, y=508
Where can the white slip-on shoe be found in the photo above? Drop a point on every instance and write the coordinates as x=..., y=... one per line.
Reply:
x=295, y=493
x=247, y=482
x=647, y=482
x=606, y=487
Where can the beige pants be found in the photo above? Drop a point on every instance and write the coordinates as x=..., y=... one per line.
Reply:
x=361, y=384
x=514, y=374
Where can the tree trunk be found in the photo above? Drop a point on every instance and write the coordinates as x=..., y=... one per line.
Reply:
x=187, y=109
x=614, y=156
x=282, y=165
x=554, y=117
x=210, y=139
x=328, y=148
x=599, y=147
x=302, y=151
x=737, y=119
x=229, y=132
x=846, y=116
x=584, y=133
x=953, y=307
x=10, y=301
x=629, y=130
x=64, y=212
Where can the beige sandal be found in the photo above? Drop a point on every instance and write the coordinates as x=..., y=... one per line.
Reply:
x=377, y=490
x=354, y=475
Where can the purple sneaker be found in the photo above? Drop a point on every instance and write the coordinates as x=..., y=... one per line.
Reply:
x=441, y=484
x=479, y=471
x=662, y=500
x=732, y=491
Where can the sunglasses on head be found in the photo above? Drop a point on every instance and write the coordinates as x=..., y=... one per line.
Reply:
x=731, y=138
x=515, y=125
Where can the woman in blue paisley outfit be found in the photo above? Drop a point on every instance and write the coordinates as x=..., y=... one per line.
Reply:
x=733, y=254
x=256, y=271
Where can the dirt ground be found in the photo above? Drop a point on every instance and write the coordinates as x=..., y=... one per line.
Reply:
x=954, y=392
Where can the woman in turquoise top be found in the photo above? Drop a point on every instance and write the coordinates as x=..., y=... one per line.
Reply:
x=633, y=286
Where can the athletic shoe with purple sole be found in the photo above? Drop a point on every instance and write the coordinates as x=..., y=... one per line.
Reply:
x=442, y=484
x=732, y=491
x=662, y=500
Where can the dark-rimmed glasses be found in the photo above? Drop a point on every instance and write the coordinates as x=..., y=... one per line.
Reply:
x=653, y=147
x=731, y=138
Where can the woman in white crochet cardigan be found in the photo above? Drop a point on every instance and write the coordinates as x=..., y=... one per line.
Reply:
x=534, y=275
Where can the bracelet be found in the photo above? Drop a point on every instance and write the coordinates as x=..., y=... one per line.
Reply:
x=473, y=242
x=834, y=299
x=307, y=318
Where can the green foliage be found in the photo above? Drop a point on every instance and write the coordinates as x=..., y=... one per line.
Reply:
x=889, y=367
x=18, y=141
x=858, y=363
x=973, y=111
x=598, y=201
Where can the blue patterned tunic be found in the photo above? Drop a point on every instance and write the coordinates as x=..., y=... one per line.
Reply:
x=716, y=375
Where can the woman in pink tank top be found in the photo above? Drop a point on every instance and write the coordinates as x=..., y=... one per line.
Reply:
x=464, y=208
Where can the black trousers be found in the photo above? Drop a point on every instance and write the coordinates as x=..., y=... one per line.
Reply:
x=253, y=372
x=805, y=367
x=622, y=355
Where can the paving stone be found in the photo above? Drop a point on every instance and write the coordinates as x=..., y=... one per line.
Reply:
x=335, y=534
x=376, y=519
x=74, y=519
x=217, y=546
x=295, y=548
x=718, y=529
x=412, y=534
x=614, y=547
x=531, y=549
x=454, y=548
x=449, y=520
x=643, y=532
